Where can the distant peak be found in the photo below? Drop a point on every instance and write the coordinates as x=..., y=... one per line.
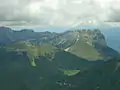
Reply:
x=27, y=30
x=5, y=28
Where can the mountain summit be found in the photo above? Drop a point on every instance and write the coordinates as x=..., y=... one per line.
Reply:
x=88, y=44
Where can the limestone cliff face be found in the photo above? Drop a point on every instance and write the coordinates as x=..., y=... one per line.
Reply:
x=93, y=37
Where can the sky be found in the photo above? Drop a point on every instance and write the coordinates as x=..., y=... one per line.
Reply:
x=59, y=13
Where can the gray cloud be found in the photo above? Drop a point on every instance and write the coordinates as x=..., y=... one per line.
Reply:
x=62, y=13
x=114, y=15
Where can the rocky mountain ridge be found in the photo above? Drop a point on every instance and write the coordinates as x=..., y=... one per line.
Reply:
x=87, y=44
x=89, y=36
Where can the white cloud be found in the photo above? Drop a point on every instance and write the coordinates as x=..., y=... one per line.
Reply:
x=62, y=13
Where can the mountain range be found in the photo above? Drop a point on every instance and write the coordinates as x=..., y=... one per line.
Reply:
x=76, y=42
x=72, y=60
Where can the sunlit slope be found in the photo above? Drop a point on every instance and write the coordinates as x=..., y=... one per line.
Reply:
x=33, y=51
x=84, y=50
